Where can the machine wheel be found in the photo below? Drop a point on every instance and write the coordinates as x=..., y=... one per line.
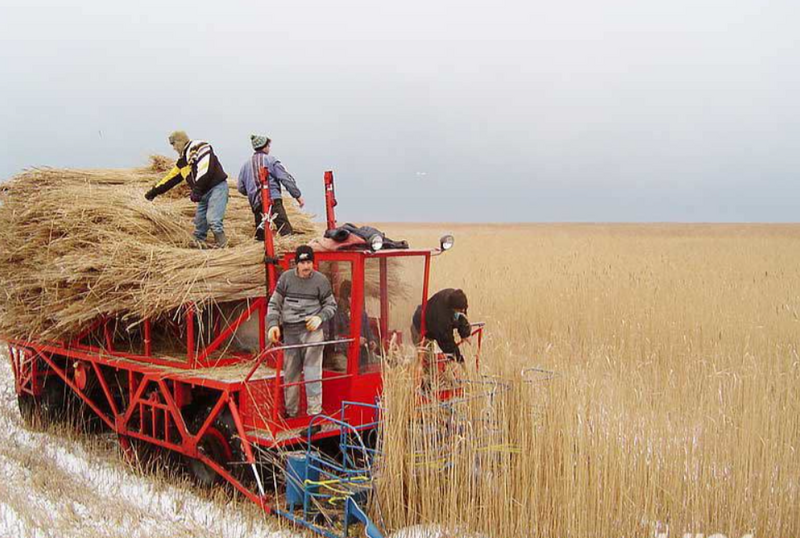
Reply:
x=219, y=444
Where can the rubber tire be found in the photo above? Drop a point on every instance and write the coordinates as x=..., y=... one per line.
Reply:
x=220, y=444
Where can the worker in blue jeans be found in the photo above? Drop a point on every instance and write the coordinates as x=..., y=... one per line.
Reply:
x=198, y=165
x=210, y=213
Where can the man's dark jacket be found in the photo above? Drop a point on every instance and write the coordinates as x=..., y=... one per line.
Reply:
x=441, y=321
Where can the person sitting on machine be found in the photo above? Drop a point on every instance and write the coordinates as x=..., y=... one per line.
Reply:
x=368, y=344
x=446, y=312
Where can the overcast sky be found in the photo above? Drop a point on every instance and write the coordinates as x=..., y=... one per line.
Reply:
x=597, y=110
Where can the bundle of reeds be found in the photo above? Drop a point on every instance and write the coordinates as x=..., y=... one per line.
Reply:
x=76, y=244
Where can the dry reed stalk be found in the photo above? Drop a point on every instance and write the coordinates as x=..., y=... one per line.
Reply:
x=77, y=244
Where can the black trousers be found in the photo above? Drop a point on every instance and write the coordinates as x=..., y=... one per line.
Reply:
x=279, y=217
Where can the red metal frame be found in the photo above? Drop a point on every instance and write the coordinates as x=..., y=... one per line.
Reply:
x=330, y=200
x=147, y=396
x=269, y=247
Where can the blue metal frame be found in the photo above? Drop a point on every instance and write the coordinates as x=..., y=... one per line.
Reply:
x=346, y=474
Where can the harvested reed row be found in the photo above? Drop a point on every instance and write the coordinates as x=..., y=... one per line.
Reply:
x=77, y=244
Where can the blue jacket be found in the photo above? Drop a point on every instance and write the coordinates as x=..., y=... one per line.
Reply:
x=249, y=182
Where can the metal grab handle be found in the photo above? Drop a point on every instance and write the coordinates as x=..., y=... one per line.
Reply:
x=273, y=349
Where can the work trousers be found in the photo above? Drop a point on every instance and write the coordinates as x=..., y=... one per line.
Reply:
x=309, y=362
x=211, y=211
x=279, y=217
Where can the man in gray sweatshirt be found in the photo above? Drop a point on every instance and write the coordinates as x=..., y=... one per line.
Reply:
x=301, y=303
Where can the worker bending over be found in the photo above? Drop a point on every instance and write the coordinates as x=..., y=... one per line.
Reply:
x=445, y=312
x=201, y=169
x=249, y=184
x=301, y=303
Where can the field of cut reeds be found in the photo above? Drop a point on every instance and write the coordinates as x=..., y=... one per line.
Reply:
x=667, y=398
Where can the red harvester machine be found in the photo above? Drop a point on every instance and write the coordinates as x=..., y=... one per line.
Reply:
x=218, y=403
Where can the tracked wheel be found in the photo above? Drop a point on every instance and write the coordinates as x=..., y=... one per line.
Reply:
x=220, y=444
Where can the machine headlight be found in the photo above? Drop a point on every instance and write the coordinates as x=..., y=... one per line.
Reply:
x=447, y=242
x=376, y=242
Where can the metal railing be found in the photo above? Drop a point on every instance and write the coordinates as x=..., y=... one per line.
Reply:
x=279, y=360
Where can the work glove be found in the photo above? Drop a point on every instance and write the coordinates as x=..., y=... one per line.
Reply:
x=195, y=197
x=274, y=334
x=313, y=323
x=150, y=195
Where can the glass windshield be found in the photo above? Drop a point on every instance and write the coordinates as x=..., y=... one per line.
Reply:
x=393, y=292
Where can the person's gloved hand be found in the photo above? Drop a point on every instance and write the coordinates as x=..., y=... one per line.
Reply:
x=195, y=197
x=150, y=195
x=274, y=334
x=313, y=323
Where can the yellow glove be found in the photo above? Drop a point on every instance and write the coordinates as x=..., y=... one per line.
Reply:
x=274, y=334
x=313, y=323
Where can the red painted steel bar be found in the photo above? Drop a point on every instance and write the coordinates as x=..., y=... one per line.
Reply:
x=384, y=285
x=145, y=367
x=277, y=391
x=211, y=416
x=269, y=247
x=173, y=408
x=237, y=420
x=220, y=470
x=425, y=293
x=150, y=439
x=262, y=327
x=63, y=375
x=135, y=400
x=357, y=307
x=330, y=200
x=106, y=390
x=109, y=337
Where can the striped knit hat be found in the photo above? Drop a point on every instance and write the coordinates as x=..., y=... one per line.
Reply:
x=259, y=141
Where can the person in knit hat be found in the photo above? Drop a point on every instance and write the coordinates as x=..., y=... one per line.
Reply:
x=301, y=303
x=249, y=184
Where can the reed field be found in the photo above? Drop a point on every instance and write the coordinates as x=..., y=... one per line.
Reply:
x=666, y=401
x=635, y=381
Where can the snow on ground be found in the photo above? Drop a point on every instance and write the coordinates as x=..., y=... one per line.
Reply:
x=56, y=487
